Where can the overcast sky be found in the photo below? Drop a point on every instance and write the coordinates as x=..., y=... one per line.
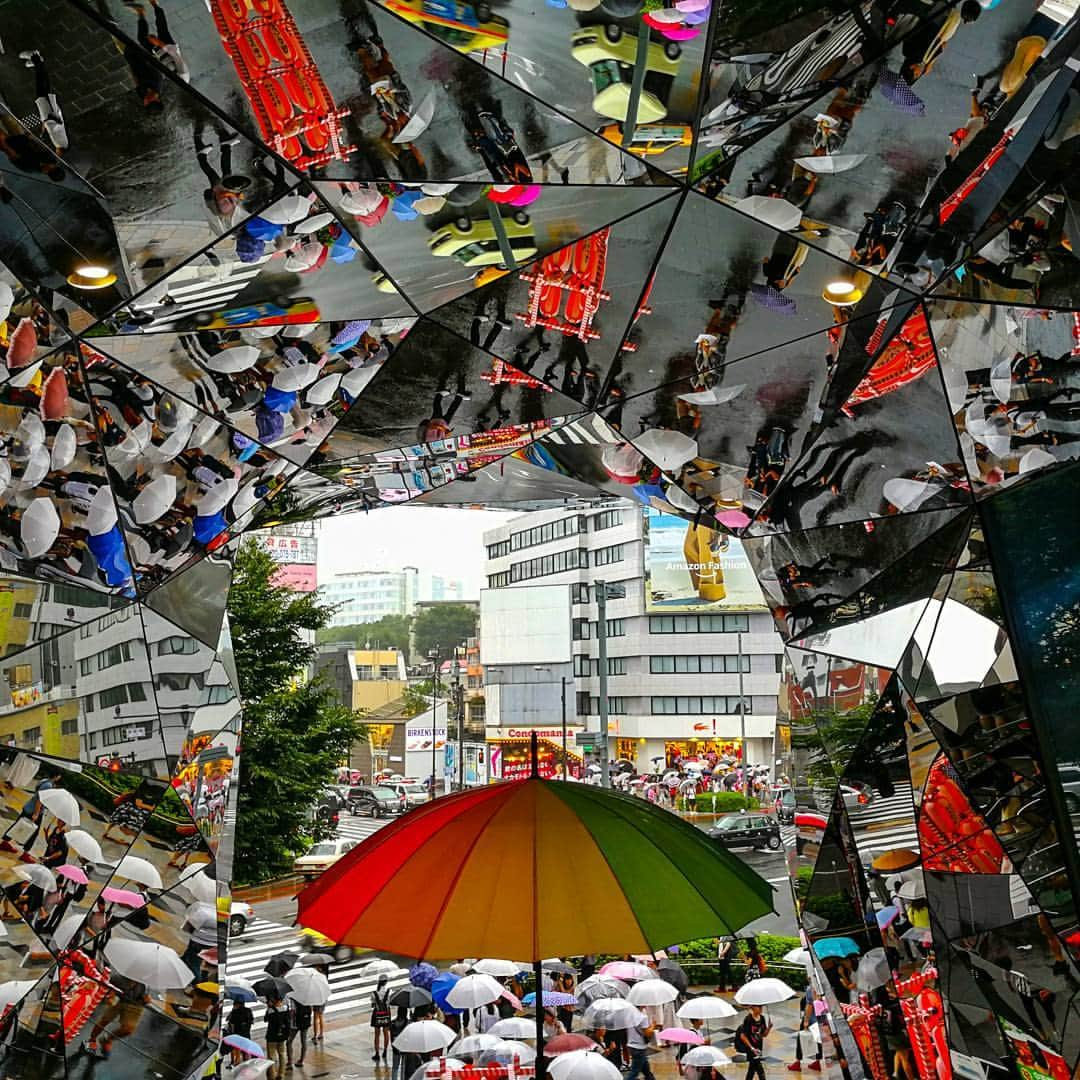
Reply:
x=434, y=539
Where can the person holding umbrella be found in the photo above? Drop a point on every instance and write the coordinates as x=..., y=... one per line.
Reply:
x=637, y=1039
x=750, y=1037
x=301, y=1023
x=278, y=1032
x=804, y=1025
x=380, y=1018
x=397, y=1026
x=239, y=1023
x=32, y=811
x=126, y=1005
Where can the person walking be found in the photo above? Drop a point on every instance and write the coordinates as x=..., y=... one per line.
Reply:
x=804, y=1026
x=301, y=1023
x=52, y=119
x=318, y=1017
x=638, y=1039
x=239, y=1023
x=755, y=962
x=397, y=1026
x=380, y=1018
x=278, y=1021
x=750, y=1038
x=725, y=946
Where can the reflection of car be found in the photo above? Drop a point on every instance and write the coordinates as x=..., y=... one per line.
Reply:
x=311, y=941
x=493, y=139
x=650, y=139
x=856, y=796
x=466, y=27
x=287, y=310
x=410, y=793
x=240, y=914
x=785, y=806
x=320, y=857
x=747, y=830
x=383, y=283
x=376, y=801
x=474, y=243
x=609, y=54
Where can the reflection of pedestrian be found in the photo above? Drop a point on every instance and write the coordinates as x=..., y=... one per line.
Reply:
x=804, y=1026
x=222, y=200
x=437, y=426
x=301, y=1023
x=240, y=1021
x=724, y=947
x=52, y=119
x=126, y=1005
x=33, y=811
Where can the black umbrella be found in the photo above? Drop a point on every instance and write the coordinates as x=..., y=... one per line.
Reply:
x=412, y=996
x=559, y=966
x=280, y=963
x=272, y=988
x=671, y=972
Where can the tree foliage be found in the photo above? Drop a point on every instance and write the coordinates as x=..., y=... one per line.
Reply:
x=443, y=627
x=417, y=697
x=295, y=733
x=389, y=632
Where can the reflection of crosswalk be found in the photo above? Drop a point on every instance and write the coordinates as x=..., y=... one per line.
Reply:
x=886, y=822
x=202, y=288
x=589, y=431
x=350, y=988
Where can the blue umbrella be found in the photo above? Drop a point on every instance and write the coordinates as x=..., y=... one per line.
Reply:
x=886, y=916
x=895, y=90
x=240, y=993
x=423, y=975
x=773, y=299
x=551, y=998
x=440, y=987
x=245, y=1046
x=835, y=947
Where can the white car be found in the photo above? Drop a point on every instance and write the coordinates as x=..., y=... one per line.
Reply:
x=320, y=857
x=240, y=914
x=411, y=793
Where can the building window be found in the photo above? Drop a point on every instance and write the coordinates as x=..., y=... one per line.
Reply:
x=582, y=703
x=580, y=628
x=115, y=654
x=120, y=695
x=546, y=565
x=79, y=598
x=607, y=520
x=69, y=727
x=615, y=627
x=583, y=666
x=579, y=593
x=605, y=556
x=699, y=624
x=22, y=611
x=615, y=705
x=499, y=549
x=545, y=534
x=172, y=646
x=85, y=665
x=616, y=665
x=32, y=736
x=697, y=665
x=718, y=705
x=499, y=581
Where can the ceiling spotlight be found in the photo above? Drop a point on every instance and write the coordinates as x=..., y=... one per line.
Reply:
x=90, y=276
x=842, y=293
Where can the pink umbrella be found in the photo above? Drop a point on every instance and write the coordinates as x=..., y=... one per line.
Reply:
x=122, y=896
x=516, y=1002
x=73, y=873
x=683, y=33
x=681, y=1035
x=628, y=971
x=733, y=519
x=529, y=195
x=209, y=956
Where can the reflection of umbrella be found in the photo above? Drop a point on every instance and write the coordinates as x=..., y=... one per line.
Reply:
x=566, y=1044
x=233, y=360
x=472, y=991
x=154, y=499
x=920, y=935
x=557, y=965
x=550, y=999
x=410, y=996
x=39, y=527
x=378, y=967
x=124, y=897
x=421, y=974
x=141, y=870
x=41, y=876
x=271, y=988
x=612, y=1013
x=73, y=873
x=835, y=947
x=239, y=993
x=513, y=1027
x=67, y=930
x=772, y=298
x=681, y=1035
x=155, y=966
x=895, y=89
x=873, y=971
x=254, y=1069
x=286, y=211
x=896, y=860
x=13, y=991
x=797, y=956
x=61, y=804
x=424, y=1037
x=199, y=885
x=912, y=890
x=441, y=986
x=583, y=1065
x=245, y=1046
x=705, y=1056
x=652, y=992
x=418, y=122
x=831, y=163
x=705, y=1008
x=778, y=213
x=763, y=992
x=309, y=987
x=281, y=962
x=668, y=450
x=508, y=1050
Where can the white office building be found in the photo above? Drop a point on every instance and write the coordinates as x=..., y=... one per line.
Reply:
x=366, y=596
x=674, y=659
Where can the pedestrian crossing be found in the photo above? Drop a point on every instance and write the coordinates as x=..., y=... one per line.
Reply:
x=203, y=288
x=588, y=431
x=886, y=823
x=359, y=828
x=350, y=986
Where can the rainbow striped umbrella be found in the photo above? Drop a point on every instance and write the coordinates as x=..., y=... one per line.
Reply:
x=533, y=867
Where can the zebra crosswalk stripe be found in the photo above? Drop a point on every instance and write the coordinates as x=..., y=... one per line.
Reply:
x=886, y=823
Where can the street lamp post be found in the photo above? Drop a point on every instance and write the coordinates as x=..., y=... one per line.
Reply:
x=562, y=682
x=434, y=655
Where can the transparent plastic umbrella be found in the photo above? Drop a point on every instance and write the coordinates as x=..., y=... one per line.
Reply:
x=61, y=804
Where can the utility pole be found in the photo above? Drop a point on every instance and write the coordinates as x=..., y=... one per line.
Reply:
x=434, y=654
x=604, y=592
x=742, y=723
x=459, y=704
x=564, y=764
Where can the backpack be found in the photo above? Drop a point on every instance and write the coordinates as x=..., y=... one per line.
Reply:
x=380, y=1007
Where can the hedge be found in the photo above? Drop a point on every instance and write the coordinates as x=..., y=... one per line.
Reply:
x=723, y=802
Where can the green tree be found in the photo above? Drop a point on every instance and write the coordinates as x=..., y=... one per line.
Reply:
x=443, y=627
x=417, y=697
x=389, y=632
x=295, y=733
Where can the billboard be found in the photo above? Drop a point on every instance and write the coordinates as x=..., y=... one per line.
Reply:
x=527, y=624
x=692, y=568
x=296, y=553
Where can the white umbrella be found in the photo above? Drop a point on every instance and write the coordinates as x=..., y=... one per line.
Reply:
x=296, y=376
x=582, y=1065
x=154, y=499
x=39, y=527
x=472, y=991
x=64, y=447
x=286, y=211
x=198, y=884
x=234, y=360
x=778, y=213
x=15, y=990
x=507, y=1049
x=41, y=876
x=141, y=870
x=475, y=1044
x=101, y=513
x=66, y=931
x=613, y=1013
x=763, y=992
x=37, y=466
x=322, y=392
x=831, y=163
x=61, y=804
x=652, y=992
x=601, y=986
x=85, y=846
x=252, y=1070
x=204, y=431
x=381, y=967
x=705, y=1056
x=513, y=1027
x=5, y=474
x=706, y=1008
x=419, y=121
x=309, y=987
x=300, y=330
x=669, y=450
x=1036, y=458
x=424, y=1037
x=873, y=971
x=912, y=890
x=239, y=983
x=156, y=966
x=437, y=1067
x=719, y=395
x=313, y=223
x=797, y=956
